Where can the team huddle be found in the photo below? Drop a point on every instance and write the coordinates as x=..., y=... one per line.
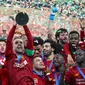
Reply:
x=28, y=60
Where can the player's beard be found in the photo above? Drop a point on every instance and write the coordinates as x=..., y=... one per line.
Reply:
x=47, y=54
x=63, y=41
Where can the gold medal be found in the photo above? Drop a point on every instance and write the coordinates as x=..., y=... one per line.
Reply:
x=48, y=71
x=54, y=80
x=50, y=79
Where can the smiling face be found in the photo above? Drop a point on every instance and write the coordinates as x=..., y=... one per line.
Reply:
x=2, y=46
x=38, y=63
x=74, y=39
x=18, y=45
x=63, y=37
x=58, y=60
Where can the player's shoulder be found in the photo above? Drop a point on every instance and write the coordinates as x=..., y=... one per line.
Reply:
x=72, y=68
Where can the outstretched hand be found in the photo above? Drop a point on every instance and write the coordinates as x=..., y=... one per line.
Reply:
x=13, y=19
x=15, y=24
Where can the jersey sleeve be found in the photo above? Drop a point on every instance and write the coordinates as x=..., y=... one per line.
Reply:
x=29, y=47
x=9, y=48
x=68, y=77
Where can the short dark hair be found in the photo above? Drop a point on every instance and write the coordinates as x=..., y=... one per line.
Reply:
x=60, y=31
x=38, y=41
x=60, y=54
x=53, y=44
x=72, y=32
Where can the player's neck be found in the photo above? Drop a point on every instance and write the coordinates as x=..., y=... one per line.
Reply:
x=38, y=71
x=60, y=68
x=19, y=53
x=50, y=57
x=2, y=54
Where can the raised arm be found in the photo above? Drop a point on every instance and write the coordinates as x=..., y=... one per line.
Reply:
x=50, y=31
x=82, y=35
x=29, y=47
x=9, y=48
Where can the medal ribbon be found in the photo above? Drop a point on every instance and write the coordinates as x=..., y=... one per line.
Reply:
x=80, y=71
x=57, y=79
x=37, y=73
x=2, y=56
x=19, y=58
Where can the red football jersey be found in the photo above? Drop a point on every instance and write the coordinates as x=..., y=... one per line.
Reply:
x=40, y=80
x=49, y=64
x=52, y=77
x=73, y=76
x=3, y=71
x=19, y=75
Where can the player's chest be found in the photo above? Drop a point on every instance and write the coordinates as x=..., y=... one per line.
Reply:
x=78, y=78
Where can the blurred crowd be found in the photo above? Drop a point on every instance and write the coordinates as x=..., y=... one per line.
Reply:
x=59, y=59
x=74, y=8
